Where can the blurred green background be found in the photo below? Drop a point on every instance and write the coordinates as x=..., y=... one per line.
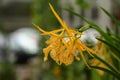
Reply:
x=19, y=14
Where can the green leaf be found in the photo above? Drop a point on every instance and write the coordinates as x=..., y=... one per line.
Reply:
x=92, y=25
x=84, y=28
x=112, y=46
x=111, y=16
x=107, y=64
x=106, y=70
x=117, y=23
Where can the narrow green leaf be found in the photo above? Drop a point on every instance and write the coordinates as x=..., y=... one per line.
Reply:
x=111, y=16
x=116, y=22
x=92, y=25
x=106, y=70
x=106, y=63
x=112, y=46
x=84, y=28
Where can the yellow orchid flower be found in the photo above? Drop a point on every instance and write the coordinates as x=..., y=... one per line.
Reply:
x=64, y=44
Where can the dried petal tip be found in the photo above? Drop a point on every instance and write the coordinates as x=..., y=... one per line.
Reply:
x=84, y=28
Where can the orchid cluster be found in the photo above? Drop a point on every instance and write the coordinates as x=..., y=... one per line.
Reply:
x=64, y=44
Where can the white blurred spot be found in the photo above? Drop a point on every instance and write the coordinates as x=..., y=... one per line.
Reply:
x=26, y=39
x=89, y=36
